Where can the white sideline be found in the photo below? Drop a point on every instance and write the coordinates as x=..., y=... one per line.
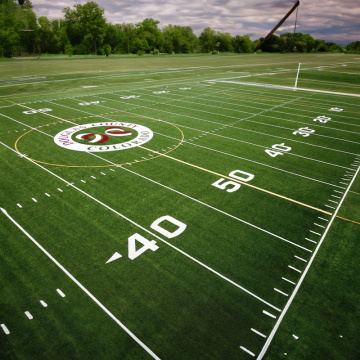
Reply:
x=273, y=332
x=82, y=287
x=149, y=232
x=283, y=87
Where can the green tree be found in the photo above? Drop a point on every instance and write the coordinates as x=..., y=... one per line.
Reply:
x=107, y=49
x=242, y=44
x=179, y=39
x=207, y=40
x=44, y=33
x=116, y=38
x=149, y=35
x=86, y=26
x=130, y=36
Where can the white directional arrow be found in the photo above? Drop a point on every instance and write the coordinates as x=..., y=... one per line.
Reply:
x=114, y=257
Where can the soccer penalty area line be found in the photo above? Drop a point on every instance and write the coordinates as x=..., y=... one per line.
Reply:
x=278, y=322
x=148, y=231
x=81, y=286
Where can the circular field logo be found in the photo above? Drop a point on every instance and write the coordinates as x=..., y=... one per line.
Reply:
x=104, y=136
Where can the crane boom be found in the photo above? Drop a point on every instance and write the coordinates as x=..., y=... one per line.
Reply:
x=277, y=26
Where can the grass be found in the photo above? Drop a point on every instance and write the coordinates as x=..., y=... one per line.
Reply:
x=198, y=293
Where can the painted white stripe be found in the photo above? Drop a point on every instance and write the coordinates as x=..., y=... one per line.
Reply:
x=6, y=330
x=322, y=226
x=314, y=232
x=319, y=217
x=333, y=201
x=19, y=205
x=340, y=182
x=295, y=337
x=82, y=287
x=246, y=350
x=268, y=314
x=209, y=206
x=34, y=200
x=43, y=303
x=112, y=170
x=295, y=269
x=83, y=181
x=289, y=281
x=151, y=233
x=340, y=192
x=311, y=240
x=203, y=120
x=333, y=217
x=60, y=293
x=102, y=173
x=281, y=292
x=28, y=315
x=297, y=257
x=47, y=194
x=93, y=177
x=258, y=332
x=60, y=190
x=331, y=207
x=335, y=196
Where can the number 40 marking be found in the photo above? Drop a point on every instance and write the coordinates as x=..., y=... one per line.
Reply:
x=133, y=252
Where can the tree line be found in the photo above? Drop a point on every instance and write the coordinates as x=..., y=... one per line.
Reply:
x=84, y=30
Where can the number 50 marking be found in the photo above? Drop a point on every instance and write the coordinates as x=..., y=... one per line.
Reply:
x=231, y=186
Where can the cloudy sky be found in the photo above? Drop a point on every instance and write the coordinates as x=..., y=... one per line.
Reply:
x=329, y=20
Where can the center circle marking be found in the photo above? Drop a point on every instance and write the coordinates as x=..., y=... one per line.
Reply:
x=113, y=130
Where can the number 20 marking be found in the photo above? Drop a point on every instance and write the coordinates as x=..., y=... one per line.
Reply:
x=231, y=186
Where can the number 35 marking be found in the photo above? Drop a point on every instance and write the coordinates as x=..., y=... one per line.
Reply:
x=231, y=186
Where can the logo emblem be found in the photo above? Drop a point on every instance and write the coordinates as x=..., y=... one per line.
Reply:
x=102, y=137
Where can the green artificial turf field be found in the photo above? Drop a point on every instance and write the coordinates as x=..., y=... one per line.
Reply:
x=180, y=207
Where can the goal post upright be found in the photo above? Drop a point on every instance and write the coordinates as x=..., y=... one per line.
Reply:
x=297, y=77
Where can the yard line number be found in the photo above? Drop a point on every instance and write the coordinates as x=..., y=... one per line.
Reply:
x=29, y=112
x=278, y=149
x=231, y=186
x=135, y=239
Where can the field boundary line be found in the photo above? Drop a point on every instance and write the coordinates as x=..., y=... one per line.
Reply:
x=282, y=87
x=148, y=231
x=278, y=322
x=246, y=91
x=82, y=287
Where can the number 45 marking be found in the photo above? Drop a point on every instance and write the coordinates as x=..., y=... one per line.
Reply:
x=231, y=186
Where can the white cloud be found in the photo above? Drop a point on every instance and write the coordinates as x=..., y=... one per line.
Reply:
x=324, y=19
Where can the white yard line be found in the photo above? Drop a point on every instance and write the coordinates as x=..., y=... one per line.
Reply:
x=333, y=217
x=285, y=104
x=207, y=205
x=200, y=202
x=82, y=287
x=149, y=232
x=213, y=122
x=262, y=111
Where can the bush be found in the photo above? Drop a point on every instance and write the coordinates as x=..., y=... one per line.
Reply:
x=107, y=49
x=156, y=52
x=141, y=53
